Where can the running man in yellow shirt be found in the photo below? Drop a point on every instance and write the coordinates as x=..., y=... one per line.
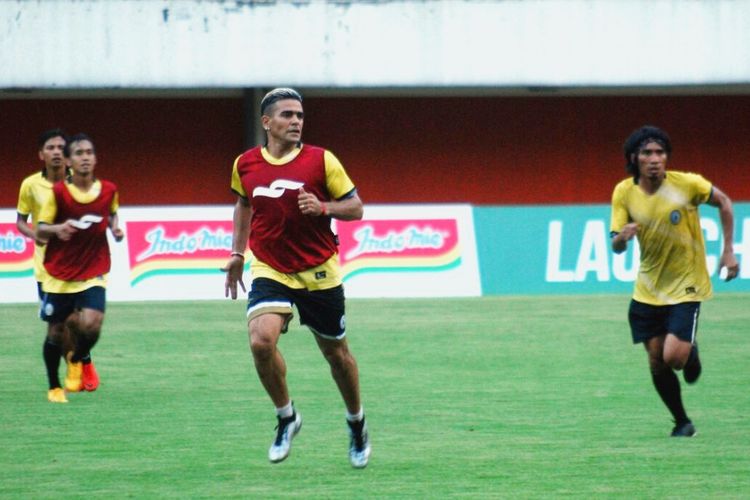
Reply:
x=34, y=191
x=660, y=208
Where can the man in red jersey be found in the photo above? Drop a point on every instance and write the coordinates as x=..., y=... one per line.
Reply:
x=287, y=194
x=74, y=221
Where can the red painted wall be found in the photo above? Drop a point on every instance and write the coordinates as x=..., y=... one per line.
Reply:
x=488, y=150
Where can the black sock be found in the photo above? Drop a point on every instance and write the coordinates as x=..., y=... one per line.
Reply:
x=51, y=353
x=668, y=386
x=693, y=354
x=82, y=352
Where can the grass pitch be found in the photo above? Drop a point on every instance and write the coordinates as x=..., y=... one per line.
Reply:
x=495, y=397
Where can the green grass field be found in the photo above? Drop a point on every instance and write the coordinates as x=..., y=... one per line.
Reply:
x=485, y=398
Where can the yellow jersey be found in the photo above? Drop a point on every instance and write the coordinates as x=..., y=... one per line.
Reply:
x=34, y=191
x=673, y=256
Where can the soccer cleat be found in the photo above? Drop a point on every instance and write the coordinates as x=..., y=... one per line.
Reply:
x=73, y=382
x=684, y=429
x=359, y=444
x=56, y=395
x=90, y=377
x=692, y=369
x=285, y=432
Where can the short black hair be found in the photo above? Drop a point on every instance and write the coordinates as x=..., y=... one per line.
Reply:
x=77, y=138
x=278, y=94
x=49, y=134
x=638, y=139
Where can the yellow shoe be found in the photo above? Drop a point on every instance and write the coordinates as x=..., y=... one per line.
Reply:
x=56, y=395
x=73, y=379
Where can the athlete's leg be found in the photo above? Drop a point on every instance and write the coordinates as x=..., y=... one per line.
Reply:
x=344, y=370
x=665, y=381
x=264, y=331
x=85, y=327
x=676, y=351
x=53, y=309
x=51, y=352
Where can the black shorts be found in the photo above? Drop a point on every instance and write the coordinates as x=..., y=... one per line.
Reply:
x=647, y=321
x=322, y=311
x=56, y=307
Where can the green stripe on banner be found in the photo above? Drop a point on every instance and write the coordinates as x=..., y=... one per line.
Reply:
x=16, y=274
x=405, y=269
x=175, y=272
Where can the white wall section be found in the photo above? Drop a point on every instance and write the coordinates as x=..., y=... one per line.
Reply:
x=68, y=44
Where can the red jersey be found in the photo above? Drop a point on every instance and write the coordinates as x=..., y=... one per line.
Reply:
x=280, y=235
x=86, y=254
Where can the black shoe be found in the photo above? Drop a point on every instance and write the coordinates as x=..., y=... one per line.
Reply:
x=359, y=444
x=684, y=429
x=692, y=369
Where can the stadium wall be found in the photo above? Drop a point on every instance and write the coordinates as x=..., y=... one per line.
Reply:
x=478, y=150
x=355, y=43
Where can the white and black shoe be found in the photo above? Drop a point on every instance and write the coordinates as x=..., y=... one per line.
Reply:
x=359, y=444
x=285, y=432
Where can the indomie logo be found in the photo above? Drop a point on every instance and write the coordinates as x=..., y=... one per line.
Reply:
x=12, y=242
x=409, y=238
x=184, y=243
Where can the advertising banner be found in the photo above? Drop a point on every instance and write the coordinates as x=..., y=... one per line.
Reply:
x=175, y=253
x=566, y=250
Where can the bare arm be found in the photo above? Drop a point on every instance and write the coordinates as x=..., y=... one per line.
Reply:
x=240, y=233
x=22, y=223
x=726, y=216
x=62, y=231
x=114, y=226
x=347, y=209
x=620, y=241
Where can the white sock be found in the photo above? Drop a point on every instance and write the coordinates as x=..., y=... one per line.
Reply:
x=355, y=417
x=285, y=411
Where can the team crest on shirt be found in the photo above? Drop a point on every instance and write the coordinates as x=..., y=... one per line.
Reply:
x=277, y=188
x=675, y=217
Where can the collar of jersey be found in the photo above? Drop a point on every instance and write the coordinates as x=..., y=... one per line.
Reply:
x=284, y=159
x=85, y=196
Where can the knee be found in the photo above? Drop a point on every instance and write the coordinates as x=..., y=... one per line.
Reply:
x=89, y=327
x=674, y=362
x=657, y=365
x=262, y=346
x=55, y=333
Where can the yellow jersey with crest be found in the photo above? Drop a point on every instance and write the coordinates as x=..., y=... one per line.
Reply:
x=673, y=256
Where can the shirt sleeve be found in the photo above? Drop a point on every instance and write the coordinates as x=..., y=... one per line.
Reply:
x=619, y=215
x=236, y=181
x=48, y=211
x=337, y=181
x=701, y=189
x=24, y=198
x=115, y=205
